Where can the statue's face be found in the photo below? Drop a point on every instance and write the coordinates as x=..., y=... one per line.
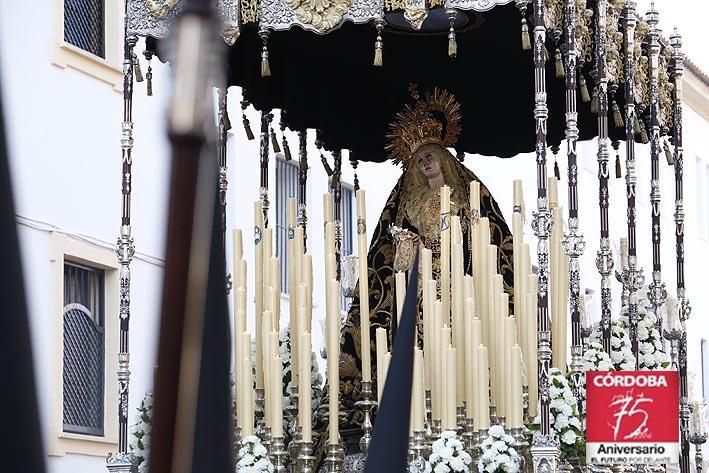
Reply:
x=428, y=162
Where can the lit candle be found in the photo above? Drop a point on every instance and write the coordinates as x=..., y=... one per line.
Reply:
x=445, y=252
x=483, y=423
x=363, y=287
x=258, y=285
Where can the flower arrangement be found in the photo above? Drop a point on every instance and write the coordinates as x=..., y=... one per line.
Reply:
x=651, y=352
x=621, y=353
x=252, y=457
x=497, y=454
x=564, y=417
x=140, y=438
x=448, y=455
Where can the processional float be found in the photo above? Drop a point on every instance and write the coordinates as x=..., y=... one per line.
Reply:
x=344, y=67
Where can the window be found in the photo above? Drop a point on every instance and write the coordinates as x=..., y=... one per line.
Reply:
x=286, y=187
x=83, y=373
x=88, y=37
x=347, y=209
x=85, y=324
x=84, y=25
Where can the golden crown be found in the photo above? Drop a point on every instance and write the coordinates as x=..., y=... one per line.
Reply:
x=434, y=119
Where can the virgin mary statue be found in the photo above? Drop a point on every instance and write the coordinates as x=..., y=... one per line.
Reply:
x=417, y=140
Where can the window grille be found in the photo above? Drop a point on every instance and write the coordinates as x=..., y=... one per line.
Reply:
x=286, y=187
x=84, y=25
x=83, y=374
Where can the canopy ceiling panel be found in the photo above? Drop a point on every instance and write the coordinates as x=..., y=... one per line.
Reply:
x=327, y=81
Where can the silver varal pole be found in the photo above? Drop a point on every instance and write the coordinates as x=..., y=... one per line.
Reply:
x=682, y=301
x=122, y=461
x=545, y=447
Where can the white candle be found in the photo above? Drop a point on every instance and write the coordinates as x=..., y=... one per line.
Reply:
x=518, y=196
x=474, y=197
x=258, y=285
x=483, y=423
x=305, y=388
x=237, y=245
x=427, y=299
x=417, y=395
x=458, y=327
x=276, y=293
x=246, y=387
x=516, y=387
x=552, y=192
x=266, y=326
x=328, y=208
x=532, y=367
x=518, y=264
x=333, y=359
x=451, y=382
x=381, y=343
x=445, y=252
x=277, y=419
x=363, y=287
x=559, y=299
x=400, y=294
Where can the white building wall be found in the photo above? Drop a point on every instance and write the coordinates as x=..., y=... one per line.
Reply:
x=64, y=132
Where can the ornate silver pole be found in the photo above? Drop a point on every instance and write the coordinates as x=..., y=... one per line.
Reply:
x=122, y=461
x=223, y=126
x=545, y=450
x=337, y=198
x=604, y=259
x=302, y=185
x=574, y=244
x=657, y=293
x=266, y=118
x=632, y=277
x=684, y=307
x=698, y=440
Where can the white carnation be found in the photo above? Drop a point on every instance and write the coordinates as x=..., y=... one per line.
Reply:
x=569, y=437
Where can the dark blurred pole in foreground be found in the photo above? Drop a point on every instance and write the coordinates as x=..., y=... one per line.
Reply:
x=192, y=424
x=22, y=434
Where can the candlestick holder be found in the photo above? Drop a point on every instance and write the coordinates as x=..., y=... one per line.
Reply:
x=673, y=335
x=418, y=450
x=260, y=403
x=493, y=414
x=266, y=438
x=460, y=420
x=278, y=455
x=521, y=445
x=367, y=404
x=698, y=440
x=435, y=431
x=306, y=460
x=469, y=435
x=525, y=404
x=333, y=463
x=294, y=447
x=501, y=420
x=429, y=412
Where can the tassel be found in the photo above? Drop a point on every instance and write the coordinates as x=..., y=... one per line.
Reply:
x=557, y=173
x=668, y=153
x=618, y=171
x=274, y=142
x=452, y=44
x=585, y=97
x=559, y=64
x=227, y=121
x=636, y=126
x=265, y=65
x=286, y=149
x=378, y=46
x=136, y=69
x=617, y=116
x=326, y=165
x=546, y=54
x=245, y=120
x=526, y=40
x=149, y=77
x=643, y=135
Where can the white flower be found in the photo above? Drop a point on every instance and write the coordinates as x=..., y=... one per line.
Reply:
x=457, y=464
x=569, y=437
x=496, y=431
x=562, y=422
x=441, y=468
